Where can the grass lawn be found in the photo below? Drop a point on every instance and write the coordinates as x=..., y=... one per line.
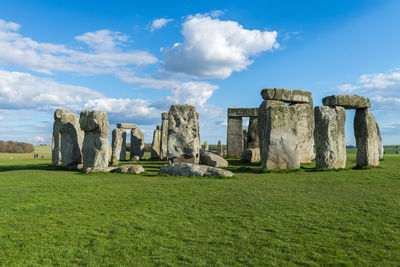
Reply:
x=49, y=216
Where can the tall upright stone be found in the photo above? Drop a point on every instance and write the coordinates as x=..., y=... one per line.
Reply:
x=380, y=143
x=245, y=136
x=164, y=136
x=220, y=150
x=366, y=135
x=67, y=139
x=235, y=136
x=279, y=148
x=206, y=147
x=183, y=134
x=137, y=143
x=155, y=145
x=330, y=140
x=118, y=145
x=253, y=140
x=95, y=147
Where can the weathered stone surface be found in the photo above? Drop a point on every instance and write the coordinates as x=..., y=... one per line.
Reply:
x=164, y=136
x=155, y=145
x=243, y=112
x=183, y=134
x=329, y=137
x=137, y=143
x=95, y=147
x=118, y=145
x=67, y=139
x=250, y=155
x=134, y=169
x=235, y=136
x=220, y=151
x=189, y=169
x=245, y=136
x=366, y=135
x=279, y=148
x=127, y=125
x=380, y=142
x=212, y=159
x=347, y=101
x=305, y=131
x=253, y=140
x=206, y=147
x=98, y=169
x=286, y=95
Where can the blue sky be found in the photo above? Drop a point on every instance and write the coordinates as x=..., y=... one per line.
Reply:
x=133, y=59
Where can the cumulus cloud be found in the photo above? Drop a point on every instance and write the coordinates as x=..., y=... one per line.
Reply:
x=103, y=40
x=39, y=139
x=391, y=129
x=19, y=90
x=383, y=89
x=159, y=23
x=21, y=51
x=214, y=48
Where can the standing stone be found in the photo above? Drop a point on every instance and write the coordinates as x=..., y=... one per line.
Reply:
x=137, y=143
x=164, y=136
x=253, y=140
x=366, y=135
x=329, y=137
x=250, y=155
x=118, y=145
x=155, y=145
x=95, y=144
x=235, y=136
x=305, y=131
x=183, y=134
x=279, y=148
x=206, y=148
x=67, y=139
x=220, y=151
x=380, y=143
x=245, y=136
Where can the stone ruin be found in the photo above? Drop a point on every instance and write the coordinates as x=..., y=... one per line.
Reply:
x=95, y=147
x=285, y=131
x=330, y=135
x=67, y=139
x=118, y=143
x=164, y=136
x=156, y=144
x=235, y=137
x=137, y=144
x=183, y=143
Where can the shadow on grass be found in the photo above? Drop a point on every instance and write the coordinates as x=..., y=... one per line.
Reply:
x=41, y=166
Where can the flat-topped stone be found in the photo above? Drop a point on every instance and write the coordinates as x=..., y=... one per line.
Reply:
x=286, y=95
x=347, y=101
x=242, y=112
x=127, y=125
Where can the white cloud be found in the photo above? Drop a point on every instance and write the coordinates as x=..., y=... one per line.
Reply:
x=103, y=40
x=213, y=48
x=159, y=23
x=17, y=50
x=39, y=139
x=19, y=90
x=1, y=118
x=382, y=88
x=392, y=128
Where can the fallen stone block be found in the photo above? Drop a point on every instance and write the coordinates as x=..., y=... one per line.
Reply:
x=190, y=169
x=211, y=159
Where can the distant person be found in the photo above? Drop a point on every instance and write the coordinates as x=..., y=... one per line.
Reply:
x=42, y=156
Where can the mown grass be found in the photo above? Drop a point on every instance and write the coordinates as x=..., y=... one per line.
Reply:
x=50, y=216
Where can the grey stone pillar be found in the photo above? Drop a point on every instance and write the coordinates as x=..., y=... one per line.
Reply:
x=206, y=148
x=118, y=147
x=330, y=137
x=366, y=135
x=279, y=147
x=137, y=143
x=164, y=136
x=155, y=145
x=220, y=151
x=235, y=136
x=253, y=140
x=380, y=143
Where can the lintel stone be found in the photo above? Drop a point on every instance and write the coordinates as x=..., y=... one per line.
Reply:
x=347, y=101
x=286, y=95
x=127, y=125
x=243, y=112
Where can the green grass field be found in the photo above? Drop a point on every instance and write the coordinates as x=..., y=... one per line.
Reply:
x=50, y=216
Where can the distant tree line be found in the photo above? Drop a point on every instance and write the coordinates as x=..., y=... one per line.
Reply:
x=16, y=147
